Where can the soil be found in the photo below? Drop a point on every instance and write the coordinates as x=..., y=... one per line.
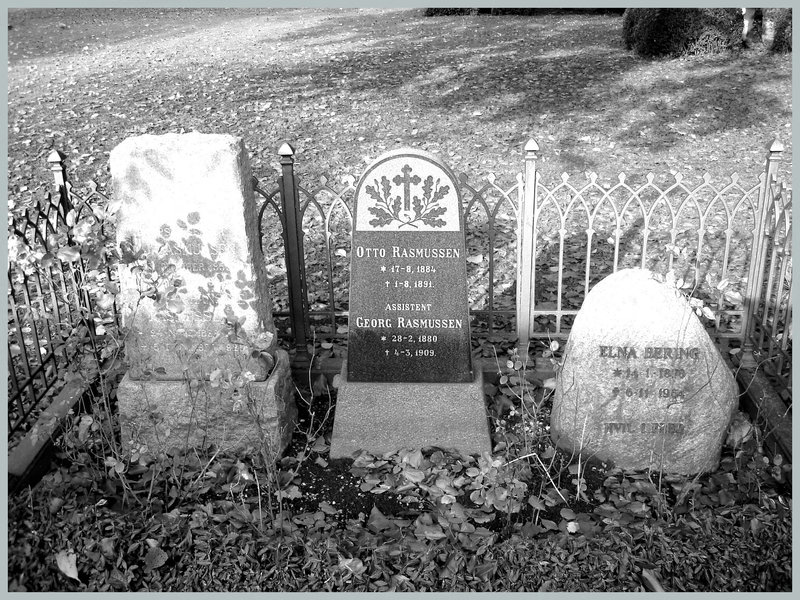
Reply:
x=331, y=482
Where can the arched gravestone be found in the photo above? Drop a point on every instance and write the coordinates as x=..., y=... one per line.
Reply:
x=408, y=379
x=409, y=317
x=642, y=384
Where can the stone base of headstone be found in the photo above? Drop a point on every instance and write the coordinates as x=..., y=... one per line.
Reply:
x=164, y=415
x=386, y=417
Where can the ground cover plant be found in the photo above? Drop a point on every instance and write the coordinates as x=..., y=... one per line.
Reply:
x=526, y=517
x=344, y=86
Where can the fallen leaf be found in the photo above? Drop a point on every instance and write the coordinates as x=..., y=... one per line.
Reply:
x=66, y=562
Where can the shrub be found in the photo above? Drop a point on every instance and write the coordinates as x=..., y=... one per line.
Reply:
x=782, y=20
x=446, y=12
x=526, y=12
x=681, y=31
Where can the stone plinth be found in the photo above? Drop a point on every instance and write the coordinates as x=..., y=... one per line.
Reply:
x=174, y=414
x=642, y=384
x=387, y=417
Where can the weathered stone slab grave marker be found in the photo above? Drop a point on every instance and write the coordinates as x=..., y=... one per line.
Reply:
x=201, y=341
x=408, y=380
x=642, y=383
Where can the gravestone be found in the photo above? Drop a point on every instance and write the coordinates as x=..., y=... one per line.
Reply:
x=203, y=366
x=642, y=384
x=408, y=380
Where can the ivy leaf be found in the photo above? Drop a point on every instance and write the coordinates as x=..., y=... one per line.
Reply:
x=733, y=297
x=83, y=427
x=105, y=301
x=549, y=383
x=354, y=565
x=378, y=522
x=327, y=508
x=414, y=475
x=291, y=493
x=430, y=532
x=154, y=559
x=414, y=458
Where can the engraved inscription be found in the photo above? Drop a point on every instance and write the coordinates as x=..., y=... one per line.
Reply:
x=675, y=428
x=646, y=380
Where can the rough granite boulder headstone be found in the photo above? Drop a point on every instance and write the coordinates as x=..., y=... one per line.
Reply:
x=201, y=348
x=408, y=379
x=642, y=384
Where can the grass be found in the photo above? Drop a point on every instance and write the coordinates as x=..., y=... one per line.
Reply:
x=344, y=85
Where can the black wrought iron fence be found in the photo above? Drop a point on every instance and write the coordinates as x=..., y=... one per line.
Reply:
x=60, y=294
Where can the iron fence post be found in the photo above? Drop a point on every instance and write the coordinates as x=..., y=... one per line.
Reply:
x=295, y=256
x=59, y=170
x=526, y=250
x=755, y=276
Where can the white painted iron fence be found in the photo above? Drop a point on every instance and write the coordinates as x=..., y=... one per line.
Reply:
x=535, y=251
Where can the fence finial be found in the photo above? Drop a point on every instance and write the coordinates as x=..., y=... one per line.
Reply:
x=286, y=149
x=775, y=146
x=56, y=160
x=531, y=146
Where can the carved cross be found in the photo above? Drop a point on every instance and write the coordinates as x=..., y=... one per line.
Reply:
x=406, y=181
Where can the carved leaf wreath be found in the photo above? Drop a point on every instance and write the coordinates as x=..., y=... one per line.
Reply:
x=426, y=209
